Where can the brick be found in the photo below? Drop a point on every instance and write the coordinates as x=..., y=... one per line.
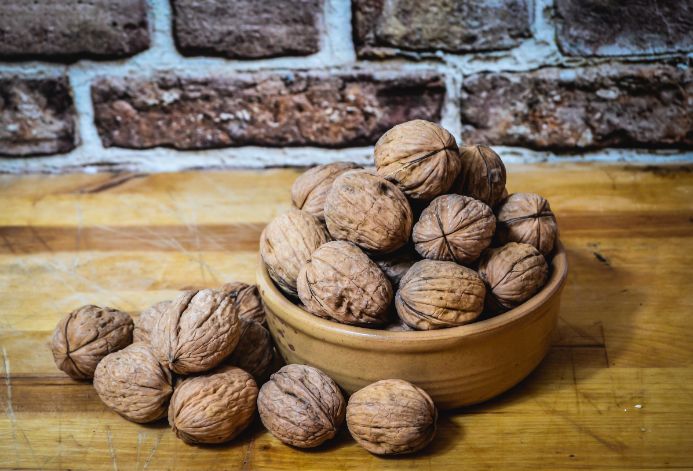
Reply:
x=247, y=29
x=569, y=109
x=268, y=110
x=397, y=26
x=618, y=28
x=72, y=28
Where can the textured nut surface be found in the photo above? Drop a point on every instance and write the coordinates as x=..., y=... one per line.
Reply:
x=254, y=350
x=301, y=406
x=133, y=383
x=369, y=211
x=420, y=157
x=435, y=294
x=147, y=320
x=213, y=408
x=395, y=265
x=197, y=331
x=527, y=218
x=341, y=283
x=310, y=189
x=86, y=335
x=482, y=176
x=392, y=417
x=248, y=300
x=286, y=244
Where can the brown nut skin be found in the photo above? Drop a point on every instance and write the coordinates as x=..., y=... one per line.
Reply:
x=86, y=335
x=341, y=283
x=454, y=228
x=147, y=320
x=435, y=295
x=213, y=408
x=301, y=406
x=420, y=157
x=310, y=189
x=254, y=352
x=369, y=211
x=197, y=331
x=482, y=176
x=248, y=299
x=392, y=417
x=286, y=244
x=527, y=218
x=134, y=384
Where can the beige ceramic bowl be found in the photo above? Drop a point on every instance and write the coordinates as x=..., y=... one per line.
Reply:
x=457, y=366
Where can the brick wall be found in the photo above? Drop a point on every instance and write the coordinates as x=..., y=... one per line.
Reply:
x=149, y=85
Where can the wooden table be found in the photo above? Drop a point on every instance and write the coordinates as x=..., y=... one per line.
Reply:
x=615, y=391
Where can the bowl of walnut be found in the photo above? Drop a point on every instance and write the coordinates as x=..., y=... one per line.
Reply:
x=423, y=269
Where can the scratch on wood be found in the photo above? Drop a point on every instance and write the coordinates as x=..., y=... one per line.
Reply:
x=249, y=454
x=154, y=448
x=9, y=408
x=114, y=181
x=111, y=450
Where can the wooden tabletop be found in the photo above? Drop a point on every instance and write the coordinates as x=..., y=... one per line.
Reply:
x=615, y=391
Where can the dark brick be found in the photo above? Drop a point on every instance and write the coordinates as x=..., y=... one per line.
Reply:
x=247, y=29
x=569, y=109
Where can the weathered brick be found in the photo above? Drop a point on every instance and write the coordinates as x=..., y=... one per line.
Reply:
x=569, y=109
x=247, y=28
x=268, y=110
x=72, y=28
x=388, y=27
x=616, y=28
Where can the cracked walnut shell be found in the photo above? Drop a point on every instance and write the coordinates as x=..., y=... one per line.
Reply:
x=254, y=350
x=147, y=320
x=482, y=176
x=310, y=189
x=527, y=218
x=248, y=299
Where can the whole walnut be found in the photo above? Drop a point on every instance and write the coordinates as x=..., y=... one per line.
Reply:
x=310, y=189
x=301, y=406
x=396, y=264
x=421, y=157
x=248, y=300
x=527, y=218
x=341, y=283
x=392, y=417
x=147, y=321
x=482, y=176
x=133, y=383
x=213, y=408
x=369, y=211
x=197, y=331
x=86, y=335
x=435, y=294
x=455, y=228
x=513, y=274
x=286, y=244
x=254, y=350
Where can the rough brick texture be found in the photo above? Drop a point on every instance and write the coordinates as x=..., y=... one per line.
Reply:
x=610, y=105
x=247, y=28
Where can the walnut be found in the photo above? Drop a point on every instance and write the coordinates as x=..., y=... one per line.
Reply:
x=482, y=176
x=248, y=299
x=309, y=190
x=369, y=211
x=213, y=408
x=197, y=331
x=254, y=350
x=513, y=274
x=420, y=157
x=133, y=383
x=286, y=244
x=147, y=321
x=527, y=218
x=455, y=228
x=341, y=283
x=435, y=294
x=86, y=335
x=391, y=417
x=396, y=264
x=301, y=406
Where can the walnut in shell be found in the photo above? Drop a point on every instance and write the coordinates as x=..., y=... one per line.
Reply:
x=213, y=408
x=254, y=350
x=310, y=189
x=133, y=383
x=455, y=228
x=86, y=335
x=341, y=283
x=420, y=157
x=527, y=218
x=396, y=264
x=301, y=406
x=482, y=176
x=435, y=294
x=369, y=211
x=147, y=321
x=248, y=300
x=392, y=417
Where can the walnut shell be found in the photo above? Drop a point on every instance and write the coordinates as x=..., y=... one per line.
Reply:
x=133, y=383
x=197, y=331
x=254, y=352
x=455, y=228
x=513, y=274
x=286, y=244
x=482, y=176
x=527, y=218
x=395, y=265
x=420, y=157
x=248, y=300
x=213, y=408
x=147, y=321
x=341, y=283
x=86, y=335
x=392, y=417
x=435, y=294
x=369, y=211
x=301, y=406
x=310, y=189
